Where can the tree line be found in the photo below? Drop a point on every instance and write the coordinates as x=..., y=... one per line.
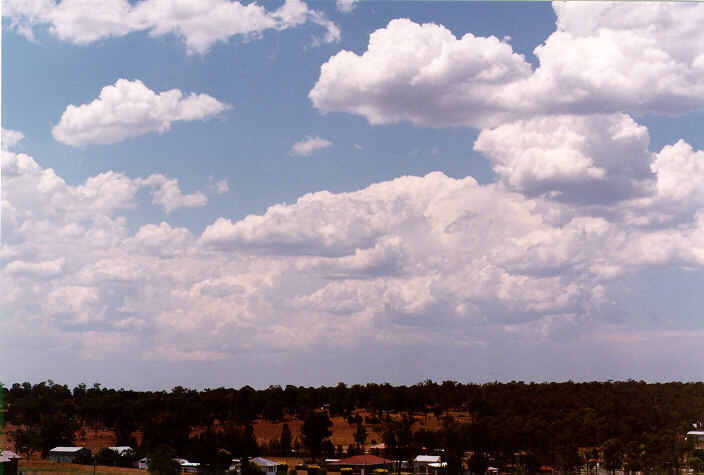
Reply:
x=631, y=424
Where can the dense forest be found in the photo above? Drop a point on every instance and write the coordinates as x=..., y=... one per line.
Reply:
x=634, y=425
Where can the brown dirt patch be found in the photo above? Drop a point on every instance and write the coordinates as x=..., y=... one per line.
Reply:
x=47, y=467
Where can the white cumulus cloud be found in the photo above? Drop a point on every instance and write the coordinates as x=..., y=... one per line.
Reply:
x=602, y=58
x=10, y=138
x=421, y=258
x=129, y=109
x=578, y=159
x=199, y=24
x=346, y=6
x=166, y=192
x=423, y=74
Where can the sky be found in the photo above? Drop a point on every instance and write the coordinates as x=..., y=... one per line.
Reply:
x=225, y=193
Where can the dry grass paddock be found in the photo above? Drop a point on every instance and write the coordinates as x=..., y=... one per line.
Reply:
x=342, y=434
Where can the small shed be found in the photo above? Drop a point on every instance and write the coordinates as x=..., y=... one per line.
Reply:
x=426, y=464
x=67, y=454
x=188, y=467
x=9, y=462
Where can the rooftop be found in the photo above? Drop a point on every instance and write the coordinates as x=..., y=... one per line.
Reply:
x=427, y=458
x=366, y=459
x=66, y=449
x=262, y=462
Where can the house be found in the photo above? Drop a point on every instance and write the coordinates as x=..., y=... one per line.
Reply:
x=67, y=454
x=8, y=462
x=265, y=465
x=121, y=449
x=361, y=464
x=188, y=467
x=427, y=464
x=143, y=463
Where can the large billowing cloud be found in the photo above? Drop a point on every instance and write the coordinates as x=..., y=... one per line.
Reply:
x=200, y=24
x=603, y=58
x=578, y=159
x=419, y=258
x=129, y=109
x=421, y=73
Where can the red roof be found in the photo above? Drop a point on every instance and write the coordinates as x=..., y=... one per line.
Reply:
x=366, y=459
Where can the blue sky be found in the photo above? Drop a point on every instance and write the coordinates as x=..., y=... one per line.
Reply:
x=317, y=192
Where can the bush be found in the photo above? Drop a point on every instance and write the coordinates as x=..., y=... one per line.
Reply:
x=83, y=458
x=107, y=456
x=162, y=462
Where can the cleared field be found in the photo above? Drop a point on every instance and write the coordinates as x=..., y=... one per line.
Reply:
x=342, y=434
x=47, y=467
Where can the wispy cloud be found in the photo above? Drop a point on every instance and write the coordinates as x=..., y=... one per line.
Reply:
x=309, y=145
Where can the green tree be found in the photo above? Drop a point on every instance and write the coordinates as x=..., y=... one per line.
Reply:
x=613, y=454
x=285, y=440
x=26, y=440
x=56, y=429
x=161, y=461
x=360, y=435
x=315, y=429
x=695, y=463
x=107, y=456
x=478, y=463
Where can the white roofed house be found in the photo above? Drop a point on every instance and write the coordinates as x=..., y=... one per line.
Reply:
x=67, y=454
x=265, y=465
x=427, y=464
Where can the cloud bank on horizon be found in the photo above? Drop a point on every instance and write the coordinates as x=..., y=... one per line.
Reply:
x=535, y=258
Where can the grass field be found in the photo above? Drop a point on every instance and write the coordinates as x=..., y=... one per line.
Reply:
x=342, y=434
x=47, y=467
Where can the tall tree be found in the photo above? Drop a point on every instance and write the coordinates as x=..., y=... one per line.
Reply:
x=285, y=440
x=613, y=454
x=360, y=435
x=315, y=429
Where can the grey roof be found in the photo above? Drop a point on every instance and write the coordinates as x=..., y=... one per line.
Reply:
x=8, y=455
x=262, y=462
x=67, y=449
x=427, y=459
